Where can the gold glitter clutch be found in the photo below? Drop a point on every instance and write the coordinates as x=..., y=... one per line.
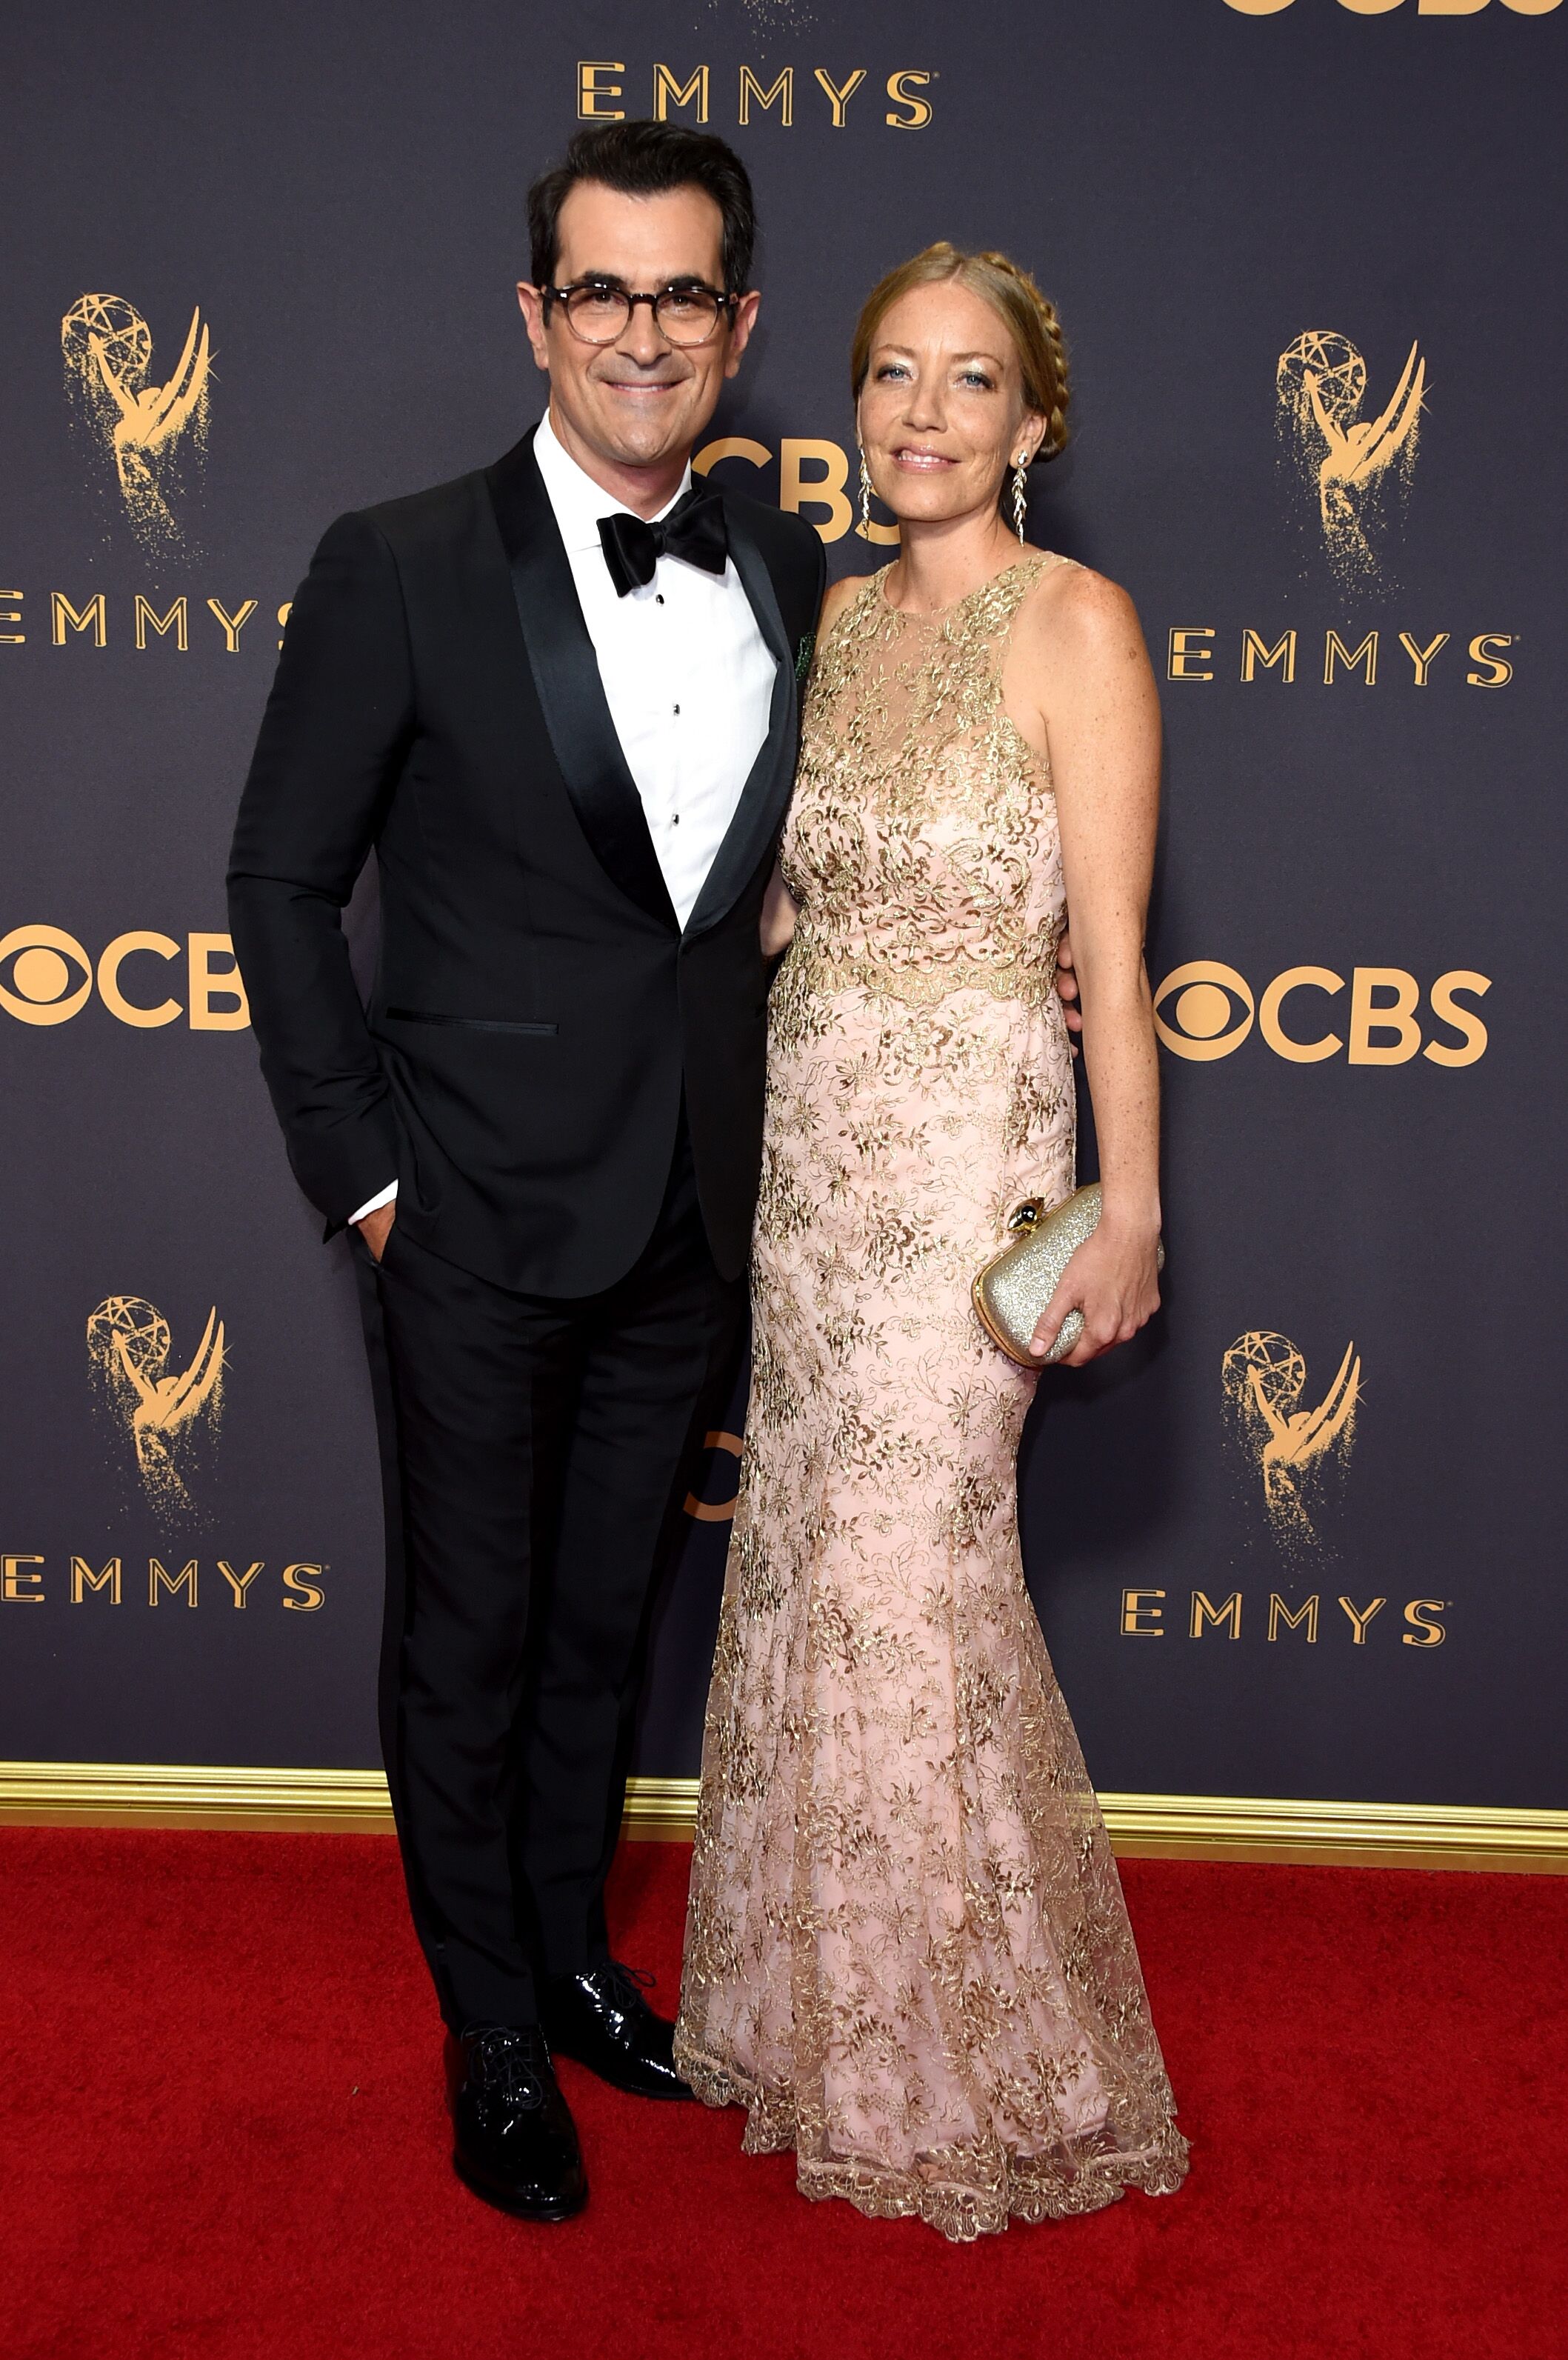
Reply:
x=1013, y=1289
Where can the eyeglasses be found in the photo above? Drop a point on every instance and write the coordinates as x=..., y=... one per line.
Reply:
x=600, y=313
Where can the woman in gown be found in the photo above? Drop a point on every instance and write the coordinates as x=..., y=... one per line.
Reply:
x=907, y=1953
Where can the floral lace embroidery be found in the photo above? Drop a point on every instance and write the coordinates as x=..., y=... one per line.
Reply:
x=907, y=1953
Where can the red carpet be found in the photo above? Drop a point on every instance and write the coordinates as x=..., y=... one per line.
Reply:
x=224, y=2137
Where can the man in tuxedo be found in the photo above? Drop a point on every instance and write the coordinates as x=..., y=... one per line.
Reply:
x=558, y=700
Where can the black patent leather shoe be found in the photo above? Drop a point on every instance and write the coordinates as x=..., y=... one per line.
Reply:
x=602, y=2019
x=515, y=2143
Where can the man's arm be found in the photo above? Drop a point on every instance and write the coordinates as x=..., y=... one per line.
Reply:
x=332, y=745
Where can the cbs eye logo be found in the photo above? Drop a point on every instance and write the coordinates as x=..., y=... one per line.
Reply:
x=44, y=975
x=1205, y=1009
x=47, y=978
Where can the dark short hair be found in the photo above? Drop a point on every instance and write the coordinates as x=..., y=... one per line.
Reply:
x=647, y=159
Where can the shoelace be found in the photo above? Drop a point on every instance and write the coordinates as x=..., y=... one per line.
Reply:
x=502, y=2063
x=624, y=1986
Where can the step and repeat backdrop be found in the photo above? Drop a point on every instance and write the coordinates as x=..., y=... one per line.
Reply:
x=1305, y=1538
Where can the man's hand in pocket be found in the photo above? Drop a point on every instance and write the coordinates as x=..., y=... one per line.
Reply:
x=376, y=1228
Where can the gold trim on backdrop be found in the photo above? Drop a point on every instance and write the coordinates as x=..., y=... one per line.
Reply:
x=1336, y=1835
x=1142, y=1827
x=659, y=1809
x=161, y=1795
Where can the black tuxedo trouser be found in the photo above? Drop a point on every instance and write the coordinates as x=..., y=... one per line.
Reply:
x=536, y=1455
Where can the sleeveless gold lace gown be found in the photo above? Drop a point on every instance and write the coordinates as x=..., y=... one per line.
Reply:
x=908, y=1952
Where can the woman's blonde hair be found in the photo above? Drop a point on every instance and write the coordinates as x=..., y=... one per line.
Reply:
x=1028, y=316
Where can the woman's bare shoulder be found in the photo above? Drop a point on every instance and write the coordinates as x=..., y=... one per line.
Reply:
x=840, y=596
x=1073, y=598
x=1074, y=617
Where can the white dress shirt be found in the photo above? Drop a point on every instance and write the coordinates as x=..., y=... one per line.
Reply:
x=687, y=675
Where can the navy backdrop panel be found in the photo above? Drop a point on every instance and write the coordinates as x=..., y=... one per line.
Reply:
x=1303, y=1538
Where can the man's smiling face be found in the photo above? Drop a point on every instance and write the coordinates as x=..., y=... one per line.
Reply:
x=640, y=402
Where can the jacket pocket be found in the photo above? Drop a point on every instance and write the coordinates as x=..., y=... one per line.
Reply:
x=468, y=1024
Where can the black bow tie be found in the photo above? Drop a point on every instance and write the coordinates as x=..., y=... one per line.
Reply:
x=695, y=529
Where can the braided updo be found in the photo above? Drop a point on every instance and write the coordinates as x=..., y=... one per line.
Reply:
x=1030, y=318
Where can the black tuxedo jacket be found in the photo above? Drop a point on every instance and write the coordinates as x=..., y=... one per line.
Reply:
x=538, y=1010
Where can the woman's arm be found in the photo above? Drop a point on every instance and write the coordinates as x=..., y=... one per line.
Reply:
x=1079, y=683
x=779, y=911
x=778, y=915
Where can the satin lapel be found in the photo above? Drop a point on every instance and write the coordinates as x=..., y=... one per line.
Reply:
x=765, y=797
x=571, y=694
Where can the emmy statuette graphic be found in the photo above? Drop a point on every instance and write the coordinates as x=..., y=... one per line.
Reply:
x=163, y=1410
x=1345, y=460
x=1263, y=1377
x=107, y=347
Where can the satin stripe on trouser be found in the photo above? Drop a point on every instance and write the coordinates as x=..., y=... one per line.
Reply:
x=536, y=1453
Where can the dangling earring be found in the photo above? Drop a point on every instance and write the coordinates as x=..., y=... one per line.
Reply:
x=1020, y=494
x=864, y=498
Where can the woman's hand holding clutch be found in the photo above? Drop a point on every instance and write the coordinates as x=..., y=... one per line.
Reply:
x=1113, y=1279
